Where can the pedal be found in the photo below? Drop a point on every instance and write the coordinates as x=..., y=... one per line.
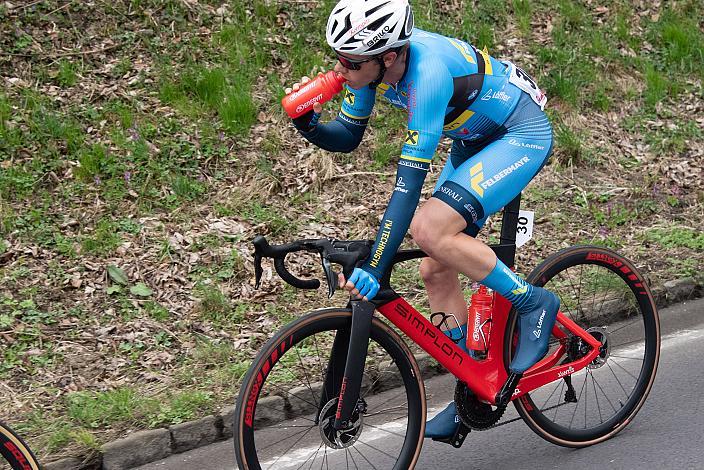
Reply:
x=457, y=438
x=504, y=395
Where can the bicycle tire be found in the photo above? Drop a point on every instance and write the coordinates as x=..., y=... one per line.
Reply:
x=300, y=332
x=623, y=306
x=15, y=451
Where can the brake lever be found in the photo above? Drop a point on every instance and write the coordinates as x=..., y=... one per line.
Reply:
x=329, y=276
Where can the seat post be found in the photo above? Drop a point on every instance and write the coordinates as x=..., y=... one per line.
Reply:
x=509, y=225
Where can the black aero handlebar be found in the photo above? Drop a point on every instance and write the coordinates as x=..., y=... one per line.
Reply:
x=348, y=254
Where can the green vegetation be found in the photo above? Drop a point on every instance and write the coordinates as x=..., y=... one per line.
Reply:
x=133, y=179
x=679, y=237
x=100, y=409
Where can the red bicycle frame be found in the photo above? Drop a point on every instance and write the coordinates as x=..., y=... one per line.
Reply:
x=486, y=377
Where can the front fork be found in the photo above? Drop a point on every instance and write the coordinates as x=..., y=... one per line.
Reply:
x=349, y=350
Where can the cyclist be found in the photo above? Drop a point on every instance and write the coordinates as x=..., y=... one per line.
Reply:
x=501, y=138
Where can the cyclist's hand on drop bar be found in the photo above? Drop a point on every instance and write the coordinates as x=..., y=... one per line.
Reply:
x=308, y=121
x=361, y=284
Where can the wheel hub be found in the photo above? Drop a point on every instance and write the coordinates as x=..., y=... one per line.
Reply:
x=339, y=439
x=600, y=334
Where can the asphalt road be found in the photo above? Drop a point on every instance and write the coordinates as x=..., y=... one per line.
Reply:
x=667, y=433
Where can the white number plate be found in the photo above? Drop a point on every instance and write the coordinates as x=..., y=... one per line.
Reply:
x=524, y=231
x=523, y=81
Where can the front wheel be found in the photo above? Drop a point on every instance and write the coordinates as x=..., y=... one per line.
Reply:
x=284, y=414
x=604, y=294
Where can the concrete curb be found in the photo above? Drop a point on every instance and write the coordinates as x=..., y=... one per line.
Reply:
x=144, y=447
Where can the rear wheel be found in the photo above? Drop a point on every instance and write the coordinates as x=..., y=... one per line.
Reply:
x=15, y=451
x=604, y=294
x=283, y=417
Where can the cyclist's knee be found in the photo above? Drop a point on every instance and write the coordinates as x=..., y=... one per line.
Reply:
x=434, y=272
x=421, y=231
x=434, y=225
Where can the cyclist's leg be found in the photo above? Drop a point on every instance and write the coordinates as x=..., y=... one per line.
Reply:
x=442, y=283
x=444, y=291
x=478, y=188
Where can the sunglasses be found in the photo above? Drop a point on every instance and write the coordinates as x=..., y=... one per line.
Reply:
x=352, y=64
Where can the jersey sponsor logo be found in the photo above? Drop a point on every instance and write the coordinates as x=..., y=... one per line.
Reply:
x=517, y=143
x=415, y=165
x=505, y=172
x=378, y=36
x=497, y=95
x=464, y=49
x=356, y=122
x=396, y=102
x=472, y=95
x=383, y=240
x=400, y=184
x=411, y=137
x=349, y=97
x=477, y=175
x=472, y=211
x=453, y=194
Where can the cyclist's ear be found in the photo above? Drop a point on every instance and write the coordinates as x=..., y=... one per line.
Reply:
x=389, y=58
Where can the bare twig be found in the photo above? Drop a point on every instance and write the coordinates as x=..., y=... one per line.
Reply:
x=63, y=54
x=58, y=9
x=24, y=7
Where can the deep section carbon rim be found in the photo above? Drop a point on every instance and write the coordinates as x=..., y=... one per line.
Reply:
x=15, y=451
x=604, y=294
x=282, y=422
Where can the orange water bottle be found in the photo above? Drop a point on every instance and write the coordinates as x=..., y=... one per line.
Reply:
x=479, y=320
x=319, y=90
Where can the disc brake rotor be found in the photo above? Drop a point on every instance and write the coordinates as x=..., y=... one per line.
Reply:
x=601, y=335
x=338, y=439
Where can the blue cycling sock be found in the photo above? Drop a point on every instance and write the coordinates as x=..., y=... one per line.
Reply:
x=537, y=310
x=511, y=287
x=456, y=333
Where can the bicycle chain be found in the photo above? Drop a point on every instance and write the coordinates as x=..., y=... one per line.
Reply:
x=473, y=413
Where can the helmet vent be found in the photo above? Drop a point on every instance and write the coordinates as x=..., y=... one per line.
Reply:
x=376, y=8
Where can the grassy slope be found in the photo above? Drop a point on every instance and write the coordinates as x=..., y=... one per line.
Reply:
x=147, y=136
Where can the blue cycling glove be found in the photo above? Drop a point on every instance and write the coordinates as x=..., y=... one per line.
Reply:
x=366, y=283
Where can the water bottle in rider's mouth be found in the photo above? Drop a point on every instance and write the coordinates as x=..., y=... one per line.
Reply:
x=319, y=90
x=479, y=321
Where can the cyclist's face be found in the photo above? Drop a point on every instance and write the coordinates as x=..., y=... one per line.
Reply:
x=368, y=71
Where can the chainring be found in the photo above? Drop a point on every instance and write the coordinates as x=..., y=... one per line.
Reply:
x=472, y=412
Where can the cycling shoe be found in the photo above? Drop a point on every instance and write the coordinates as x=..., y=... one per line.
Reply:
x=535, y=326
x=444, y=424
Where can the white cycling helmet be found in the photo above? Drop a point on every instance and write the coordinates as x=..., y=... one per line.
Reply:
x=369, y=27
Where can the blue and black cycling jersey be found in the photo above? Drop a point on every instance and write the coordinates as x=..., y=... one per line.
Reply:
x=448, y=88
